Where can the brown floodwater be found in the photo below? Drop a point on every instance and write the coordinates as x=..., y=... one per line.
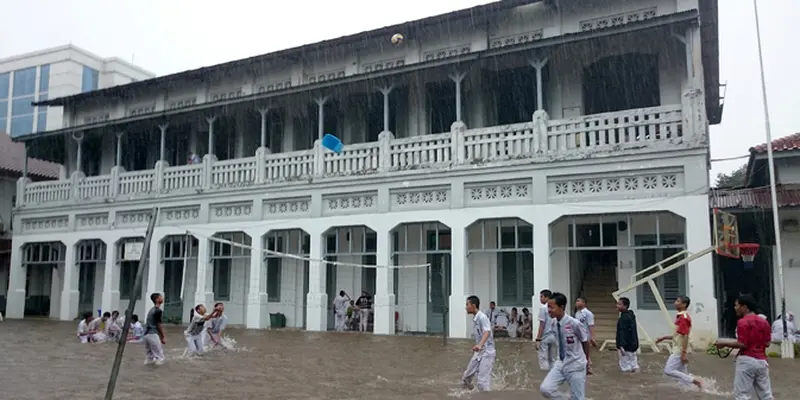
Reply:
x=43, y=360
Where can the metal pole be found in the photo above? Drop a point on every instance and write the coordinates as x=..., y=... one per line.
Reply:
x=787, y=349
x=137, y=288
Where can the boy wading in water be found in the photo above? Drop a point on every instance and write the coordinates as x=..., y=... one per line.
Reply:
x=483, y=353
x=545, y=338
x=676, y=363
x=573, y=352
x=627, y=337
x=154, y=338
x=753, y=337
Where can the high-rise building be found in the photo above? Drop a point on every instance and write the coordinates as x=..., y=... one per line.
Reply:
x=50, y=73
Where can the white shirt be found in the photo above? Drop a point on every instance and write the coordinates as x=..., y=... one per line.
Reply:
x=481, y=324
x=138, y=330
x=83, y=327
x=501, y=319
x=573, y=336
x=492, y=315
x=544, y=319
x=586, y=317
x=340, y=304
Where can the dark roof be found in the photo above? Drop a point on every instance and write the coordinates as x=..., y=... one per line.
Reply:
x=477, y=12
x=786, y=143
x=12, y=160
x=760, y=197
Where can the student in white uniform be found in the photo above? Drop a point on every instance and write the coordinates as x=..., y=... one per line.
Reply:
x=791, y=328
x=136, y=330
x=340, y=305
x=99, y=326
x=514, y=323
x=113, y=327
x=545, y=338
x=216, y=326
x=586, y=317
x=194, y=332
x=483, y=352
x=85, y=334
x=573, y=352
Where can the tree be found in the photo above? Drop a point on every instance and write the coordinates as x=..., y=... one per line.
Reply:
x=734, y=178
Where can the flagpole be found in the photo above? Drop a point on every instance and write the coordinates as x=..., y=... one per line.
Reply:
x=787, y=348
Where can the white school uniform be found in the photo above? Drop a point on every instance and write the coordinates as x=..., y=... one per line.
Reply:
x=571, y=365
x=100, y=334
x=83, y=327
x=547, y=346
x=481, y=363
x=138, y=332
x=194, y=335
x=340, y=305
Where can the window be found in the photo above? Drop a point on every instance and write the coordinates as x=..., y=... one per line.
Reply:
x=3, y=114
x=44, y=78
x=274, y=266
x=21, y=125
x=4, y=85
x=515, y=277
x=672, y=283
x=222, y=279
x=369, y=276
x=41, y=121
x=91, y=79
x=25, y=82
x=127, y=278
x=22, y=106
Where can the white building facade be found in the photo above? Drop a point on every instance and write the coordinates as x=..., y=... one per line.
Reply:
x=541, y=147
x=52, y=73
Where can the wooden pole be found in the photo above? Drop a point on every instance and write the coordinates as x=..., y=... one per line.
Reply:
x=137, y=289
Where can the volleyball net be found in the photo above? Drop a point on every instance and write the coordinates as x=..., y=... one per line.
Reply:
x=419, y=280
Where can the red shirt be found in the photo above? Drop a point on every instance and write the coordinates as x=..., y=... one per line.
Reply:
x=755, y=333
x=683, y=323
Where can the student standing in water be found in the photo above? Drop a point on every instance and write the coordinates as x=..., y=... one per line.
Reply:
x=572, y=341
x=676, y=363
x=154, y=338
x=753, y=337
x=545, y=340
x=627, y=339
x=483, y=352
x=217, y=324
x=194, y=332
x=586, y=317
x=364, y=304
x=340, y=305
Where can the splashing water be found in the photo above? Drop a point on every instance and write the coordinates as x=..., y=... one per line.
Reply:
x=505, y=378
x=226, y=343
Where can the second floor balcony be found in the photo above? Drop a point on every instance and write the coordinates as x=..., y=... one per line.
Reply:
x=655, y=130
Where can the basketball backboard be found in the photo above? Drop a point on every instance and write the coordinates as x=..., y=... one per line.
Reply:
x=726, y=234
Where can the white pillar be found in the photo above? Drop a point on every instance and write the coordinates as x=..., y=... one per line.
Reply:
x=538, y=64
x=263, y=112
x=110, y=297
x=210, y=121
x=78, y=137
x=458, y=78
x=384, y=290
x=257, y=312
x=700, y=273
x=317, y=300
x=155, y=271
x=457, y=315
x=541, y=264
x=386, y=91
x=118, y=161
x=321, y=116
x=162, y=150
x=17, y=277
x=204, y=288
x=69, y=289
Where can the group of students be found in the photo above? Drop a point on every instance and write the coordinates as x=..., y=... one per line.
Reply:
x=352, y=315
x=108, y=327
x=512, y=325
x=564, y=343
x=204, y=328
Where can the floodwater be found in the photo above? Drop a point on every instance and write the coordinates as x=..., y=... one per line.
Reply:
x=43, y=360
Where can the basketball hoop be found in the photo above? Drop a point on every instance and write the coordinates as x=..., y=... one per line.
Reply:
x=748, y=252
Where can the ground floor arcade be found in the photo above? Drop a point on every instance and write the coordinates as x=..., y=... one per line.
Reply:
x=502, y=254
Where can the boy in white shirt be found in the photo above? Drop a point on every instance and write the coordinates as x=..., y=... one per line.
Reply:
x=85, y=333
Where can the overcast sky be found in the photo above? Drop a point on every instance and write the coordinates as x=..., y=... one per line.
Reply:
x=166, y=36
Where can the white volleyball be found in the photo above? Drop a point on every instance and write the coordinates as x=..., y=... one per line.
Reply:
x=397, y=38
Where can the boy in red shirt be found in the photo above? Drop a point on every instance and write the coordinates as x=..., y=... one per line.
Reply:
x=753, y=336
x=676, y=363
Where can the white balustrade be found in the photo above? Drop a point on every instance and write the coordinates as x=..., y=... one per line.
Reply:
x=617, y=131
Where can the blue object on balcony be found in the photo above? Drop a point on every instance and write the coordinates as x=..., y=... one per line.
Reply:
x=332, y=143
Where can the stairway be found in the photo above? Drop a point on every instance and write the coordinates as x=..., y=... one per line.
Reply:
x=598, y=285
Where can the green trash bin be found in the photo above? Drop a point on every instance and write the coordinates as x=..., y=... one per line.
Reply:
x=274, y=320
x=281, y=320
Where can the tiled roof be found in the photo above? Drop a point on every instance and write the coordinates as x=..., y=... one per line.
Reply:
x=788, y=195
x=791, y=142
x=12, y=160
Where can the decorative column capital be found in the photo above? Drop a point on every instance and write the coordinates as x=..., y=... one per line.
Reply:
x=539, y=61
x=163, y=127
x=211, y=119
x=321, y=100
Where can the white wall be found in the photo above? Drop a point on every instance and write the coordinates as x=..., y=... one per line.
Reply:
x=791, y=265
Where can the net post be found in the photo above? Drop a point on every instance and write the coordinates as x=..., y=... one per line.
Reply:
x=137, y=288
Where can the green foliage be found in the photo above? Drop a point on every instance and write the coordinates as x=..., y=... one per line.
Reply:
x=735, y=178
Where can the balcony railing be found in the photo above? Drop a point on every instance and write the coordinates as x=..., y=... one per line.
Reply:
x=538, y=140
